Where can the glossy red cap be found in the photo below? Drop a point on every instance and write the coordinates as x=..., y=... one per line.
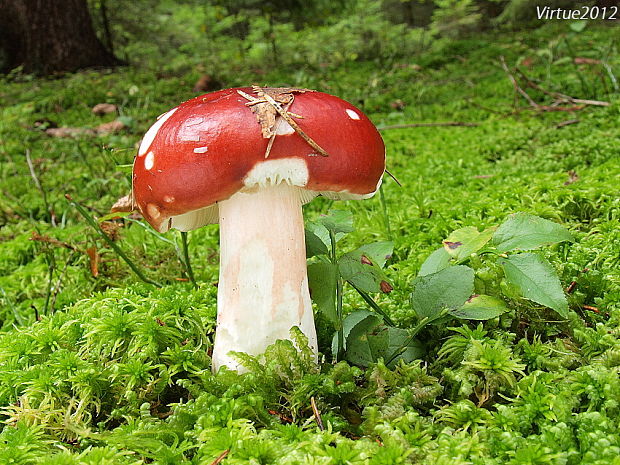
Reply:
x=212, y=146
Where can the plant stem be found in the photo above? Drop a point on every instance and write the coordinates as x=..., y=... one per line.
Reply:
x=89, y=219
x=51, y=266
x=334, y=260
x=370, y=301
x=412, y=334
x=37, y=183
x=386, y=218
x=186, y=261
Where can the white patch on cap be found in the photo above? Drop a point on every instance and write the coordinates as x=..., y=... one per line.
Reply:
x=293, y=171
x=149, y=161
x=153, y=211
x=283, y=128
x=201, y=149
x=352, y=114
x=168, y=198
x=148, y=138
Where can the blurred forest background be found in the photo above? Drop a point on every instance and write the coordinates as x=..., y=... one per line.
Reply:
x=221, y=37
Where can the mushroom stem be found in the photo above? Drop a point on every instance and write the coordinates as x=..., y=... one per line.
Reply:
x=263, y=285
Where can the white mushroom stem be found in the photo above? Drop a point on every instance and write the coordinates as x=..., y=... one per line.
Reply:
x=263, y=285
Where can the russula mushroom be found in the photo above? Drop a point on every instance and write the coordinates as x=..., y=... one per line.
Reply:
x=250, y=158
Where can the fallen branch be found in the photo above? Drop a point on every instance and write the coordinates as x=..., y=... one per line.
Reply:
x=220, y=457
x=317, y=414
x=35, y=236
x=560, y=97
x=566, y=123
x=515, y=84
x=427, y=125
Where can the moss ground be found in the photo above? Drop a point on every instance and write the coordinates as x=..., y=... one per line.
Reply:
x=106, y=369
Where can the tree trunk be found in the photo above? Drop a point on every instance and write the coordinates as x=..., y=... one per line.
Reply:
x=48, y=36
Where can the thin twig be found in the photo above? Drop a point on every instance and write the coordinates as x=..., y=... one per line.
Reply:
x=317, y=414
x=515, y=84
x=37, y=183
x=221, y=457
x=591, y=308
x=263, y=96
x=89, y=219
x=393, y=177
x=560, y=96
x=35, y=236
x=566, y=123
x=427, y=125
x=275, y=131
x=59, y=282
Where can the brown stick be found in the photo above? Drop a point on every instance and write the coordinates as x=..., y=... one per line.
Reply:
x=221, y=457
x=427, y=125
x=566, y=123
x=560, y=96
x=515, y=84
x=317, y=414
x=35, y=236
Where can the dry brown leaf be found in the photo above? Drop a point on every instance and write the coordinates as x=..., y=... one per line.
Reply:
x=103, y=109
x=69, y=132
x=93, y=255
x=586, y=61
x=124, y=204
x=111, y=127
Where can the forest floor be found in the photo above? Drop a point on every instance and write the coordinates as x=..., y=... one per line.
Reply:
x=98, y=367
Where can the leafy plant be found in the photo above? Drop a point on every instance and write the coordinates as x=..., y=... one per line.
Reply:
x=446, y=285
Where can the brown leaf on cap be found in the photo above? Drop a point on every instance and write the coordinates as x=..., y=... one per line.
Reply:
x=124, y=204
x=103, y=109
x=265, y=112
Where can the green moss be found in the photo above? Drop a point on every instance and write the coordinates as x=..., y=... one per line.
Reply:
x=115, y=371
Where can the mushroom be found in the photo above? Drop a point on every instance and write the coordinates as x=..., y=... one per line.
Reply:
x=250, y=158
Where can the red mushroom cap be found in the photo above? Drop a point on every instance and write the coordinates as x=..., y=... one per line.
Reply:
x=212, y=146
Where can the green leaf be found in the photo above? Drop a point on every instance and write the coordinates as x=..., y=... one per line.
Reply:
x=365, y=277
x=362, y=267
x=461, y=243
x=446, y=289
x=320, y=232
x=338, y=221
x=480, y=307
x=397, y=337
x=525, y=232
x=435, y=262
x=362, y=346
x=112, y=216
x=314, y=245
x=536, y=280
x=352, y=320
x=377, y=252
x=367, y=340
x=322, y=278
